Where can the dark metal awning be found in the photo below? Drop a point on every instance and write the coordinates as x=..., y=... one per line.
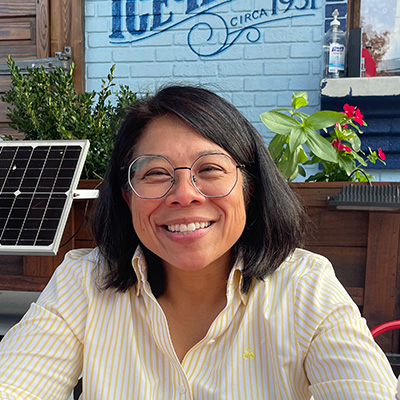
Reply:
x=372, y=197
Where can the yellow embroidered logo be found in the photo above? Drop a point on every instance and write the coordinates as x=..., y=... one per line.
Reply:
x=249, y=354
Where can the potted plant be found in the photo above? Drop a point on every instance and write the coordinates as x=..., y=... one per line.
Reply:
x=45, y=106
x=338, y=152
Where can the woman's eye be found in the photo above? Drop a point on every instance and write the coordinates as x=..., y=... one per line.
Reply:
x=210, y=169
x=157, y=174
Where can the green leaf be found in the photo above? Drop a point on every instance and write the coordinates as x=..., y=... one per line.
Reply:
x=361, y=160
x=278, y=122
x=276, y=147
x=324, y=119
x=299, y=99
x=297, y=137
x=318, y=177
x=321, y=147
x=302, y=157
x=288, y=164
x=287, y=110
x=348, y=134
x=346, y=164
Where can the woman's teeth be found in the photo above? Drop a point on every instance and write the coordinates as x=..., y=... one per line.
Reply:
x=185, y=229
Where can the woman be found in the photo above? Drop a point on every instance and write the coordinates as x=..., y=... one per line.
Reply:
x=198, y=288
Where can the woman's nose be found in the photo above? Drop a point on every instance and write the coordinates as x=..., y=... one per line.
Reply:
x=183, y=191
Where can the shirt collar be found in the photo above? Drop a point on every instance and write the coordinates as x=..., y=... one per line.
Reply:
x=234, y=284
x=140, y=268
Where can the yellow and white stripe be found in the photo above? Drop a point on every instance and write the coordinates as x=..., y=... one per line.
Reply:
x=295, y=335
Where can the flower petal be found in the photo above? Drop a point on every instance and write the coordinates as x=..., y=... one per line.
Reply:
x=381, y=154
x=349, y=110
x=358, y=117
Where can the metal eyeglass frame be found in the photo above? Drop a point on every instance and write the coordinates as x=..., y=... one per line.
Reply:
x=192, y=178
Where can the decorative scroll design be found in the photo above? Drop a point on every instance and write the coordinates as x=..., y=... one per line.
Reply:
x=206, y=33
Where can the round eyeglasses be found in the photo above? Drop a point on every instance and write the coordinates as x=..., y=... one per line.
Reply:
x=213, y=175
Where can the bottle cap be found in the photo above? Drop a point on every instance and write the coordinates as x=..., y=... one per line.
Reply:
x=335, y=22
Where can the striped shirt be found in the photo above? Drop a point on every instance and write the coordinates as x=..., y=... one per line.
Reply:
x=295, y=335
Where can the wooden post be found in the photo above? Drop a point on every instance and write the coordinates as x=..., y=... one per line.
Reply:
x=68, y=29
x=381, y=292
x=42, y=29
x=353, y=14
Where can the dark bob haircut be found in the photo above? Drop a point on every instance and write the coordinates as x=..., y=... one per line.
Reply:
x=275, y=223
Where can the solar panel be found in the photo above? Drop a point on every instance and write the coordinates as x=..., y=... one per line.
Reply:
x=37, y=183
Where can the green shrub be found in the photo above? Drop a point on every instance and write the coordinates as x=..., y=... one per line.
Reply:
x=45, y=106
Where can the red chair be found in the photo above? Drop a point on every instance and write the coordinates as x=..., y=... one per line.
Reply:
x=394, y=358
x=386, y=326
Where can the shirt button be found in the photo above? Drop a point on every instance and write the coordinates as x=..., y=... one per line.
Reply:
x=182, y=389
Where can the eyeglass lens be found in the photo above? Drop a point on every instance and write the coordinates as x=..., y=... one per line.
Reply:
x=213, y=175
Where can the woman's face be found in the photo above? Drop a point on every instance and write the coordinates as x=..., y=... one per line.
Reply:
x=160, y=223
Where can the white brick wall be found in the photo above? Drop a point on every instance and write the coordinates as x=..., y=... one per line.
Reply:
x=255, y=76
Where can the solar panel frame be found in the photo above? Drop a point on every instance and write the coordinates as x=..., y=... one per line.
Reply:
x=37, y=183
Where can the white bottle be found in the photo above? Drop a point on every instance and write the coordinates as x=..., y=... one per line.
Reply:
x=334, y=49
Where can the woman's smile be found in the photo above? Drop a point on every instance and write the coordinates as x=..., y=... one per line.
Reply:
x=187, y=233
x=185, y=229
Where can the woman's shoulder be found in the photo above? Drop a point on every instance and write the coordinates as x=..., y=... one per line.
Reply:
x=79, y=264
x=302, y=267
x=303, y=261
x=311, y=278
x=83, y=258
x=298, y=266
x=81, y=255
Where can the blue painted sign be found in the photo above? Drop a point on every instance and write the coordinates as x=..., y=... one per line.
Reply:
x=209, y=31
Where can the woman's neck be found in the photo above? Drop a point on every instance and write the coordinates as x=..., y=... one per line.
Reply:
x=202, y=286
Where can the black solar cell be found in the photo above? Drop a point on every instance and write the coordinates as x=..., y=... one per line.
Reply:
x=37, y=180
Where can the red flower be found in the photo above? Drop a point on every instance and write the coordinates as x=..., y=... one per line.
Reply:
x=341, y=147
x=349, y=110
x=358, y=117
x=381, y=154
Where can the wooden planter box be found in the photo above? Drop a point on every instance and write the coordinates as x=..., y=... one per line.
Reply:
x=362, y=245
x=31, y=273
